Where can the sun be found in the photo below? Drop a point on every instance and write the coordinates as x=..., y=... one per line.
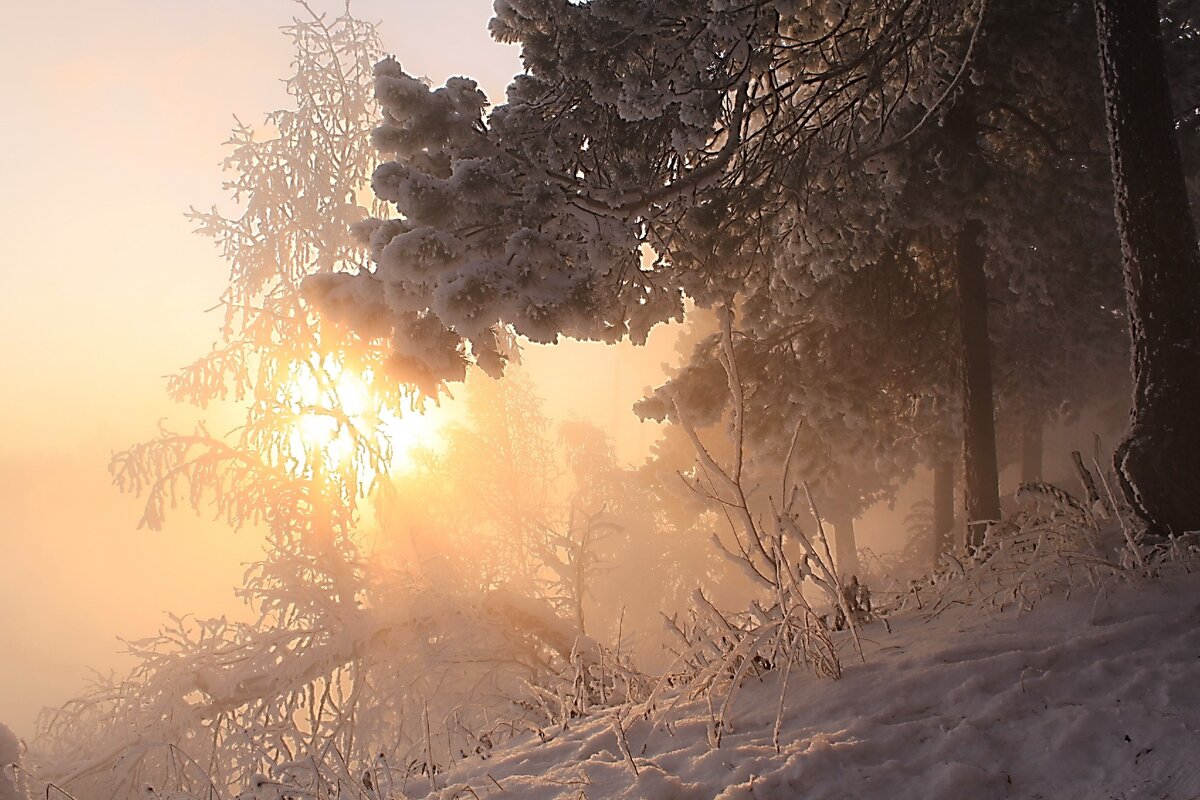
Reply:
x=341, y=417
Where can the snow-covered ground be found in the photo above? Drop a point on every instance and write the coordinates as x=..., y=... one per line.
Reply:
x=1093, y=696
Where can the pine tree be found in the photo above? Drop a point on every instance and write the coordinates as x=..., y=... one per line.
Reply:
x=1158, y=462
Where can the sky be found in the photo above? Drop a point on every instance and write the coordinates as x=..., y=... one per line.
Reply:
x=115, y=114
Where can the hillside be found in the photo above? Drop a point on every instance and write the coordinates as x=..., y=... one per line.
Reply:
x=1095, y=696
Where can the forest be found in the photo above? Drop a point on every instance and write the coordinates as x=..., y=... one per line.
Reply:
x=916, y=508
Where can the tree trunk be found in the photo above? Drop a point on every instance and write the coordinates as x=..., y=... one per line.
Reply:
x=943, y=509
x=1031, y=443
x=981, y=482
x=1158, y=463
x=845, y=548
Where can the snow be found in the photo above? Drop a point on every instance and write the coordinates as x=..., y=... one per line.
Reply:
x=1095, y=696
x=10, y=759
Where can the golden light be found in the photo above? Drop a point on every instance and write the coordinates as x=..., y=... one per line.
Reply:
x=342, y=418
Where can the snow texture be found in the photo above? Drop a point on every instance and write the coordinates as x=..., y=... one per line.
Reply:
x=10, y=758
x=1093, y=697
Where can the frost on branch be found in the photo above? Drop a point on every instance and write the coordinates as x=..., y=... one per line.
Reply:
x=645, y=154
x=483, y=243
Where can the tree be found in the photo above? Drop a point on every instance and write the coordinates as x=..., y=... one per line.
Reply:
x=595, y=199
x=351, y=675
x=827, y=372
x=540, y=214
x=343, y=659
x=758, y=158
x=312, y=442
x=866, y=343
x=1034, y=300
x=1158, y=462
x=483, y=501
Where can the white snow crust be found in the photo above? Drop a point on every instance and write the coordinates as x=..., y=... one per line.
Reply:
x=1094, y=696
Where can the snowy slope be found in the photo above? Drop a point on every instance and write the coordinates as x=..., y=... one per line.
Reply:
x=1097, y=696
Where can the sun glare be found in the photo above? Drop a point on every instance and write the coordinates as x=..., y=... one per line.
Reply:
x=339, y=414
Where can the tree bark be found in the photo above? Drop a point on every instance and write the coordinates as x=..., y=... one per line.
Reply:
x=1158, y=462
x=845, y=547
x=1031, y=443
x=981, y=481
x=943, y=509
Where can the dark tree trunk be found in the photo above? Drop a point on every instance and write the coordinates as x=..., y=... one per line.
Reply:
x=943, y=509
x=1158, y=463
x=981, y=482
x=845, y=548
x=1031, y=443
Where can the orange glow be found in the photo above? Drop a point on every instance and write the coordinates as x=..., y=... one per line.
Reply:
x=344, y=419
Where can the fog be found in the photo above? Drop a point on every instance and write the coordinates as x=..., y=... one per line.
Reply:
x=298, y=568
x=122, y=108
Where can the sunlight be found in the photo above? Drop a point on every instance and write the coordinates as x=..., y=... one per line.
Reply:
x=341, y=417
x=410, y=432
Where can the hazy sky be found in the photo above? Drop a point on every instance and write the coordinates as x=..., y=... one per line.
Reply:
x=114, y=115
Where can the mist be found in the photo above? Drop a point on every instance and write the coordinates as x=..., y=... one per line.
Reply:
x=93, y=319
x=583, y=400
